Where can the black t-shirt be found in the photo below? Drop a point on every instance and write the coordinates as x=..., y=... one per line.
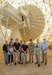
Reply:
x=16, y=45
x=5, y=48
x=24, y=47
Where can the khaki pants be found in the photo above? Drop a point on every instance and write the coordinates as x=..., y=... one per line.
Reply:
x=31, y=55
x=25, y=57
x=16, y=57
x=44, y=57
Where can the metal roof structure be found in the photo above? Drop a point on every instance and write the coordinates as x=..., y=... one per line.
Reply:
x=37, y=15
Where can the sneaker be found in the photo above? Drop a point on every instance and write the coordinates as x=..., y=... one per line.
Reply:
x=28, y=61
x=45, y=63
x=18, y=62
x=38, y=65
x=15, y=63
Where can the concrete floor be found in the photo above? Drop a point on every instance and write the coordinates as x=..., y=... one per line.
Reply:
x=26, y=69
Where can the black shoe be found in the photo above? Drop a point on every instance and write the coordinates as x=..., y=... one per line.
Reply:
x=14, y=63
x=38, y=65
x=45, y=64
x=28, y=61
x=36, y=62
x=18, y=62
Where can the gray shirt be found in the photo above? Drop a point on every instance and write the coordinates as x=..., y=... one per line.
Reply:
x=31, y=46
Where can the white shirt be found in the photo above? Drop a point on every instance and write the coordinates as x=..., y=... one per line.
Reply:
x=44, y=47
x=10, y=50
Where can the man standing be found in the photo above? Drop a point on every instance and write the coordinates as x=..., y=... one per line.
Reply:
x=5, y=51
x=16, y=48
x=21, y=52
x=38, y=47
x=25, y=48
x=44, y=51
x=31, y=47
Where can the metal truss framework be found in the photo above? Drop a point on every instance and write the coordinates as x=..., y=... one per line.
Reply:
x=46, y=8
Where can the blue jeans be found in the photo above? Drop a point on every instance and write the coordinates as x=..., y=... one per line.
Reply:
x=6, y=58
x=38, y=56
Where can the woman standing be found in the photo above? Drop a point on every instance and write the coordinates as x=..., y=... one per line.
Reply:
x=10, y=53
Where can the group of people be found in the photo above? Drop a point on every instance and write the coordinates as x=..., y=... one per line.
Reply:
x=16, y=52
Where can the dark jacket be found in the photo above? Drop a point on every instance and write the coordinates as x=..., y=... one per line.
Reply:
x=5, y=48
